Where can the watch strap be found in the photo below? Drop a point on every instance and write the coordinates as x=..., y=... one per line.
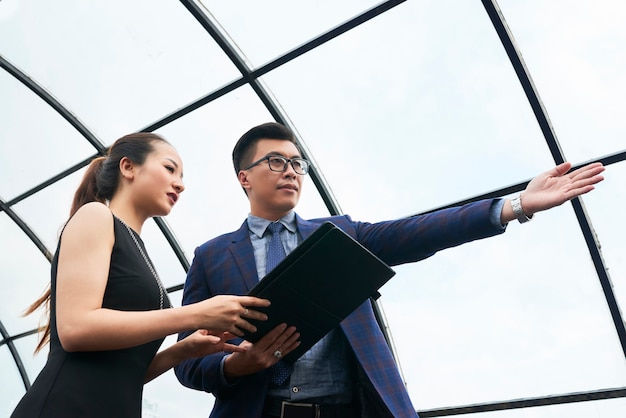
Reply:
x=518, y=211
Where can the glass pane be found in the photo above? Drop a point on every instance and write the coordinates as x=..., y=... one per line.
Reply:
x=575, y=53
x=11, y=386
x=25, y=275
x=37, y=143
x=133, y=63
x=264, y=30
x=421, y=124
x=33, y=363
x=607, y=216
x=504, y=318
x=55, y=201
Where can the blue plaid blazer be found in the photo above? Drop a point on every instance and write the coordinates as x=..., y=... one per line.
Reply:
x=225, y=265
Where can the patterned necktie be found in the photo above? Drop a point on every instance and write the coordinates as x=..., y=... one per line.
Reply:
x=280, y=371
x=275, y=251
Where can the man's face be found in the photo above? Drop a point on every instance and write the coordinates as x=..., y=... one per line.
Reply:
x=272, y=194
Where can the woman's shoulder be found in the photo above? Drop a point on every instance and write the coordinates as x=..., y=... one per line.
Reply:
x=91, y=218
x=96, y=211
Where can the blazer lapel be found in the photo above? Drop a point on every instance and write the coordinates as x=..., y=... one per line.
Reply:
x=243, y=254
x=306, y=228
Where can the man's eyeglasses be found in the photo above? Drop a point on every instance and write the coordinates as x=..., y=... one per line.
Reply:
x=279, y=163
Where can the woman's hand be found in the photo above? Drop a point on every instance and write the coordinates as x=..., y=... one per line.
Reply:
x=204, y=342
x=227, y=313
x=200, y=343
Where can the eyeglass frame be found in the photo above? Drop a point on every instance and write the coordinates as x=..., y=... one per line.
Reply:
x=287, y=161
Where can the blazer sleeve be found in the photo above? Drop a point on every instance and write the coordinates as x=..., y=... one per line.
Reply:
x=202, y=373
x=418, y=237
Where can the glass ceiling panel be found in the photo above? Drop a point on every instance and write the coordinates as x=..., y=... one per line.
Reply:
x=264, y=30
x=11, y=385
x=33, y=135
x=514, y=316
x=575, y=52
x=55, y=201
x=25, y=275
x=137, y=60
x=14, y=389
x=32, y=362
x=609, y=225
x=403, y=121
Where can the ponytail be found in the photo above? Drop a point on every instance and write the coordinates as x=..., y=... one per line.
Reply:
x=44, y=301
x=88, y=189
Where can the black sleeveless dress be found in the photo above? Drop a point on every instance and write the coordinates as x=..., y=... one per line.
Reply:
x=100, y=383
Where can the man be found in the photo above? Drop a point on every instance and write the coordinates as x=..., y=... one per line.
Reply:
x=351, y=371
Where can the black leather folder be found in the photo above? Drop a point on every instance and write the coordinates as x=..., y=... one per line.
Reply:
x=317, y=285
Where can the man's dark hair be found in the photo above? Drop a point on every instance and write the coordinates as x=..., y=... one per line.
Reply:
x=246, y=145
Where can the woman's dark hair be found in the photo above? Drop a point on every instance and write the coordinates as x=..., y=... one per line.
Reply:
x=103, y=174
x=246, y=145
x=99, y=184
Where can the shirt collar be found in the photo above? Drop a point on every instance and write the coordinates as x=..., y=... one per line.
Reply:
x=258, y=225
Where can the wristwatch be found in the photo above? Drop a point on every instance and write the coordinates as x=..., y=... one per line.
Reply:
x=516, y=204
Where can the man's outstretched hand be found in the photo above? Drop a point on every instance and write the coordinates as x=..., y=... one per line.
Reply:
x=555, y=187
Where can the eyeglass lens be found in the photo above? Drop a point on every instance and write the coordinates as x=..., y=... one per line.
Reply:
x=300, y=166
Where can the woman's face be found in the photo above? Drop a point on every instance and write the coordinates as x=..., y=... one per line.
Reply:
x=159, y=180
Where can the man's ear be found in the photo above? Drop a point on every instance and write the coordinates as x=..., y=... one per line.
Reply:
x=242, y=176
x=127, y=168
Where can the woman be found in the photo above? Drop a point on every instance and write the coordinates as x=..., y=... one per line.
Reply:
x=108, y=308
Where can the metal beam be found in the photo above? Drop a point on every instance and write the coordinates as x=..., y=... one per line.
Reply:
x=594, y=395
x=16, y=356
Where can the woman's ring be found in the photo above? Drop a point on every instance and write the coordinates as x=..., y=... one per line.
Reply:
x=278, y=354
x=245, y=312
